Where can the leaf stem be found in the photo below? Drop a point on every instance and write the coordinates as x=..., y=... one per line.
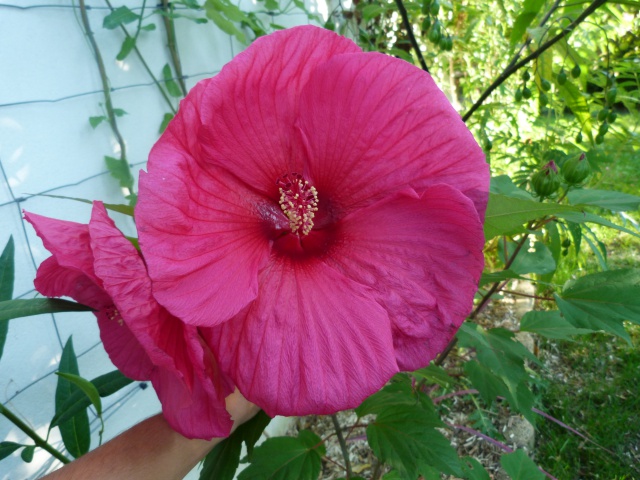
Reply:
x=106, y=89
x=343, y=445
x=536, y=297
x=511, y=69
x=412, y=38
x=40, y=442
x=173, y=44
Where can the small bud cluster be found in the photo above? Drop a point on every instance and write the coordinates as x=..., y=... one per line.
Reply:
x=298, y=201
x=575, y=170
x=432, y=28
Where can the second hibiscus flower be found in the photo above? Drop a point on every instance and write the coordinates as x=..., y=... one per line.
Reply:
x=316, y=212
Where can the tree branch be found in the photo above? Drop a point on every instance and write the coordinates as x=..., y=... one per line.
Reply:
x=412, y=38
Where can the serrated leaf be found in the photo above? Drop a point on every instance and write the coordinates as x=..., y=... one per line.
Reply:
x=520, y=467
x=95, y=121
x=119, y=169
x=87, y=388
x=7, y=277
x=170, y=83
x=27, y=453
x=106, y=385
x=506, y=215
x=550, y=324
x=127, y=45
x=577, y=103
x=394, y=394
x=610, y=200
x=222, y=462
x=165, y=122
x=434, y=374
x=283, y=458
x=114, y=207
x=7, y=448
x=75, y=432
x=35, y=306
x=602, y=301
x=120, y=16
x=473, y=469
x=404, y=437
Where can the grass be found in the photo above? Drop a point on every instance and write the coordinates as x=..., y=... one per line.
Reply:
x=598, y=396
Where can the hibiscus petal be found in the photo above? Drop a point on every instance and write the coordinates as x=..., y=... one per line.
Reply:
x=422, y=256
x=373, y=124
x=312, y=342
x=251, y=105
x=67, y=241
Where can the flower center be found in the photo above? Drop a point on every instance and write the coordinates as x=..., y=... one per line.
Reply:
x=299, y=201
x=114, y=315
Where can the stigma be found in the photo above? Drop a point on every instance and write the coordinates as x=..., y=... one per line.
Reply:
x=298, y=201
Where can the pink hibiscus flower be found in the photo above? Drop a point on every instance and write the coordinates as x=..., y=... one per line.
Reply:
x=317, y=211
x=97, y=266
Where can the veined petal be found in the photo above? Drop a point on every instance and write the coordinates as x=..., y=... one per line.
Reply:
x=373, y=124
x=312, y=342
x=422, y=257
x=67, y=241
x=250, y=107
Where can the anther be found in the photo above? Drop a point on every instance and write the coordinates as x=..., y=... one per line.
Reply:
x=299, y=201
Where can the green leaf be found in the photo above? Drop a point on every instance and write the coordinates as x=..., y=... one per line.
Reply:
x=114, y=207
x=503, y=185
x=610, y=200
x=87, y=388
x=520, y=467
x=7, y=277
x=529, y=260
x=394, y=394
x=507, y=215
x=95, y=121
x=121, y=15
x=550, y=324
x=75, y=431
x=127, y=45
x=404, y=437
x=149, y=27
x=119, y=169
x=165, y=122
x=499, y=276
x=222, y=22
x=434, y=374
x=602, y=301
x=229, y=10
x=584, y=217
x=284, y=458
x=105, y=385
x=473, y=469
x=529, y=11
x=578, y=105
x=371, y=11
x=272, y=5
x=222, y=462
x=7, y=448
x=35, y=306
x=27, y=453
x=170, y=83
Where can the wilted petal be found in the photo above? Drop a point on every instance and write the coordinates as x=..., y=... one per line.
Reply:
x=422, y=256
x=312, y=342
x=372, y=125
x=250, y=108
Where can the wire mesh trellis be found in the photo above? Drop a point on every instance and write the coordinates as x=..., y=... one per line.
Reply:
x=49, y=87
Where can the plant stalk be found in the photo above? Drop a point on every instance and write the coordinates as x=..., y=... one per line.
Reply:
x=343, y=445
x=412, y=38
x=39, y=441
x=173, y=44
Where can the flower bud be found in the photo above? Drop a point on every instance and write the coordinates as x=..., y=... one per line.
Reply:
x=546, y=181
x=526, y=93
x=612, y=117
x=562, y=77
x=525, y=75
x=545, y=85
x=611, y=95
x=575, y=71
x=576, y=169
x=602, y=114
x=435, y=7
x=518, y=94
x=426, y=24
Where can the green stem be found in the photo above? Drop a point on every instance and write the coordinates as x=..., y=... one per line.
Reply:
x=146, y=66
x=510, y=70
x=106, y=89
x=343, y=445
x=40, y=442
x=173, y=44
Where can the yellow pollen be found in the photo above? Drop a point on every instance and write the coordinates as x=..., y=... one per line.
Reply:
x=298, y=201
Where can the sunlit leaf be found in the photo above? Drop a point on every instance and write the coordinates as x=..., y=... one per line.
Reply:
x=610, y=200
x=530, y=9
x=87, y=388
x=550, y=324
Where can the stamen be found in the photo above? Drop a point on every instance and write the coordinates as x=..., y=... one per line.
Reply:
x=299, y=201
x=114, y=315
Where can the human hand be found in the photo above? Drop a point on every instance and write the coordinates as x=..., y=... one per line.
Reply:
x=240, y=409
